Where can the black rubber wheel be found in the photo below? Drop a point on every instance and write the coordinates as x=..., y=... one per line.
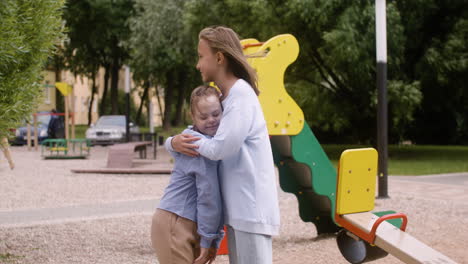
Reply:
x=357, y=251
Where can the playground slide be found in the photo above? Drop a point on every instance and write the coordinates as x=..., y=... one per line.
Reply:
x=333, y=202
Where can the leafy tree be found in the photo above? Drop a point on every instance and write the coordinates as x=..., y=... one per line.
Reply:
x=96, y=31
x=28, y=32
x=436, y=49
x=333, y=79
x=162, y=52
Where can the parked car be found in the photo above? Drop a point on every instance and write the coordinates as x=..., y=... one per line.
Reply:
x=48, y=126
x=109, y=129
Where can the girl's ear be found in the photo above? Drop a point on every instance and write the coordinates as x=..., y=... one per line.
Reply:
x=220, y=57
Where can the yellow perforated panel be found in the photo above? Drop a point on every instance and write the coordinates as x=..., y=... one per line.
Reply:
x=270, y=60
x=356, y=181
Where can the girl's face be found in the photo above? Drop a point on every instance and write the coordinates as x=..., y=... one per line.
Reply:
x=207, y=115
x=207, y=61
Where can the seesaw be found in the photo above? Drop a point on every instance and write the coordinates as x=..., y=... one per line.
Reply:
x=368, y=236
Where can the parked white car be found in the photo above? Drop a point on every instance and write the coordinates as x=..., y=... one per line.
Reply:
x=109, y=129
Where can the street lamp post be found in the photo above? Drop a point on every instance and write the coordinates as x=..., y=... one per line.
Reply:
x=127, y=99
x=382, y=112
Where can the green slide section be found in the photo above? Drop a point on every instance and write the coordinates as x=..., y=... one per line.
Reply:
x=306, y=171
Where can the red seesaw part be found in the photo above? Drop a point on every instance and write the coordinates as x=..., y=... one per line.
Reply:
x=370, y=237
x=253, y=45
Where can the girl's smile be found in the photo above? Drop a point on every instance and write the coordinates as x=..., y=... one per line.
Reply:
x=208, y=113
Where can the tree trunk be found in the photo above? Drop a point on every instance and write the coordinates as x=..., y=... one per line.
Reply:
x=168, y=94
x=181, y=87
x=102, y=107
x=114, y=88
x=143, y=100
x=93, y=91
x=159, y=103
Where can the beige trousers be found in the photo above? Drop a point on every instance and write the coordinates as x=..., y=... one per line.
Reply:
x=174, y=238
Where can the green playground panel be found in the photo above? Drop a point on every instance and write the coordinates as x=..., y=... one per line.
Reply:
x=307, y=149
x=316, y=197
x=65, y=148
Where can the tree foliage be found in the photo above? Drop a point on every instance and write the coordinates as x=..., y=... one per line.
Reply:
x=334, y=77
x=162, y=51
x=28, y=32
x=97, y=30
x=436, y=41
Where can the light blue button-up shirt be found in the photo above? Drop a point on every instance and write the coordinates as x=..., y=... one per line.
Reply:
x=194, y=193
x=247, y=174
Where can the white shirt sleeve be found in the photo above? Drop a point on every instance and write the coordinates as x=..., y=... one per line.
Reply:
x=232, y=131
x=168, y=144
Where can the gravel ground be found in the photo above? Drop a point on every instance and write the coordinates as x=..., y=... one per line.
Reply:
x=36, y=183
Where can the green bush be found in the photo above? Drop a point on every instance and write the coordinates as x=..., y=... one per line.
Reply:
x=29, y=31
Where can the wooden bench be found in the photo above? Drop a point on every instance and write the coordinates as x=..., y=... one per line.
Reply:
x=121, y=155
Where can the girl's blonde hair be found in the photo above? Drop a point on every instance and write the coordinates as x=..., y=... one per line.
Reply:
x=200, y=92
x=226, y=41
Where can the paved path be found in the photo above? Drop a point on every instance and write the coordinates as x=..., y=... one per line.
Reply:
x=33, y=217
x=452, y=187
x=459, y=179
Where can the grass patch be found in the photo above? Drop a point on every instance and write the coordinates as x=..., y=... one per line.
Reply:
x=9, y=258
x=415, y=159
x=80, y=131
x=403, y=160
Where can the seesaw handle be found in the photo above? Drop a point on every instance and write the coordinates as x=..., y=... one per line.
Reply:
x=384, y=218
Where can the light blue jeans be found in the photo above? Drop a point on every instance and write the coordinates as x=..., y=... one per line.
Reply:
x=249, y=248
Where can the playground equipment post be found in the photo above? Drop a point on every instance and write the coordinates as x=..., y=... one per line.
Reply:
x=382, y=115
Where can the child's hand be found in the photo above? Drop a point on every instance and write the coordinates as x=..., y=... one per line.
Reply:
x=183, y=143
x=204, y=256
x=212, y=254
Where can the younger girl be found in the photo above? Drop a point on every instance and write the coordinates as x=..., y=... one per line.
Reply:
x=189, y=215
x=247, y=174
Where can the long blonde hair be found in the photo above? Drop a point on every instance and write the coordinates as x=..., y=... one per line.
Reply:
x=226, y=41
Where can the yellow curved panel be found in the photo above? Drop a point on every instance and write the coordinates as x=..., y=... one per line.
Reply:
x=270, y=60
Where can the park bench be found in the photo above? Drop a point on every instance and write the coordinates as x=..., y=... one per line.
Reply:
x=121, y=155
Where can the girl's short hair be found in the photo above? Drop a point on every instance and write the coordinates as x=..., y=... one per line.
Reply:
x=200, y=92
x=226, y=41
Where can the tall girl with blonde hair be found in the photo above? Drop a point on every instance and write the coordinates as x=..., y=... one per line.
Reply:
x=246, y=171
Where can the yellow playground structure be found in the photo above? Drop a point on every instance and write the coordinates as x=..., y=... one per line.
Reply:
x=335, y=202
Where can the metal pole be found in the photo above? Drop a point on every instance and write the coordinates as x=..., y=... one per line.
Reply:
x=67, y=120
x=36, y=133
x=28, y=136
x=382, y=112
x=150, y=109
x=127, y=98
